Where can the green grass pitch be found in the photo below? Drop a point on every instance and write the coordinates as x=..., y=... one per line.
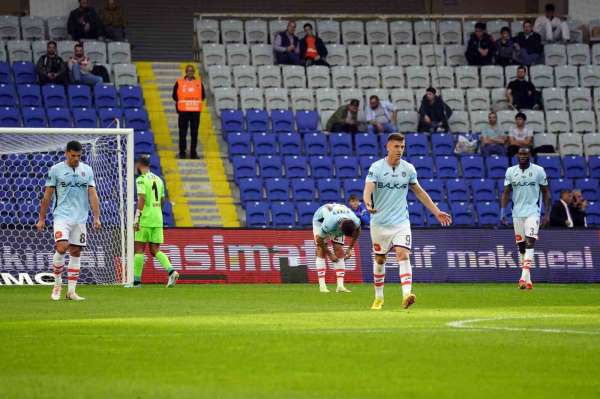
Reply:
x=290, y=341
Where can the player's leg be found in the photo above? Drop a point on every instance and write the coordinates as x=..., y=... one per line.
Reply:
x=156, y=238
x=532, y=225
x=519, y=226
x=320, y=264
x=61, y=239
x=139, y=247
x=73, y=272
x=402, y=242
x=340, y=265
x=382, y=242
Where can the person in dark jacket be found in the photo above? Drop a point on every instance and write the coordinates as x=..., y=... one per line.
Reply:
x=529, y=46
x=560, y=216
x=84, y=23
x=481, y=47
x=434, y=113
x=505, y=48
x=578, y=208
x=287, y=46
x=344, y=119
x=51, y=69
x=360, y=210
x=312, y=49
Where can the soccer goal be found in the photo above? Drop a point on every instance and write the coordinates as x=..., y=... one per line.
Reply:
x=26, y=155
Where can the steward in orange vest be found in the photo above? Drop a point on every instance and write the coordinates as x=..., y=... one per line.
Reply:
x=188, y=94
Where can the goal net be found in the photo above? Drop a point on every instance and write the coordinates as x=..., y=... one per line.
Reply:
x=26, y=155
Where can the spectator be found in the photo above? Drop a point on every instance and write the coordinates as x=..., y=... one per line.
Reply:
x=312, y=49
x=113, y=21
x=560, y=216
x=434, y=113
x=381, y=116
x=51, y=69
x=345, y=119
x=188, y=94
x=360, y=211
x=493, y=139
x=505, y=48
x=81, y=68
x=481, y=46
x=520, y=93
x=84, y=23
x=528, y=46
x=551, y=28
x=578, y=208
x=519, y=136
x=287, y=46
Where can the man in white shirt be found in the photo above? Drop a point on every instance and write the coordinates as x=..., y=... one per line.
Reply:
x=519, y=136
x=560, y=216
x=381, y=116
x=551, y=28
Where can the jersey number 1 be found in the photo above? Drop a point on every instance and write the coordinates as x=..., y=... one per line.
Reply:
x=155, y=189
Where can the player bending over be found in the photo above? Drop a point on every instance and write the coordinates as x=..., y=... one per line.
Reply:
x=148, y=222
x=526, y=180
x=332, y=222
x=384, y=196
x=70, y=184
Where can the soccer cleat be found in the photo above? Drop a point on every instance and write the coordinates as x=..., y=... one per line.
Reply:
x=56, y=292
x=522, y=284
x=529, y=286
x=72, y=296
x=342, y=289
x=377, y=304
x=324, y=290
x=172, y=280
x=408, y=301
x=131, y=285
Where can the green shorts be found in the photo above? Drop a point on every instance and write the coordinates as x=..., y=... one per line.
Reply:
x=150, y=234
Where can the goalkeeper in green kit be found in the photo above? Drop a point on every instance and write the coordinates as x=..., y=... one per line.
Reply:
x=148, y=221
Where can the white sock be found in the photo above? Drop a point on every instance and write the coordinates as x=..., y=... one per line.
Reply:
x=527, y=263
x=378, y=279
x=73, y=272
x=321, y=271
x=523, y=271
x=405, y=276
x=58, y=266
x=340, y=272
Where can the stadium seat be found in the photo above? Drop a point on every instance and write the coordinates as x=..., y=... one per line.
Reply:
x=458, y=190
x=589, y=188
x=416, y=144
x=4, y=71
x=403, y=99
x=574, y=166
x=289, y=143
x=593, y=214
x=555, y=54
x=433, y=188
x=96, y=51
x=341, y=143
x=447, y=166
x=264, y=143
x=478, y=99
x=417, y=77
x=383, y=55
x=307, y=121
x=54, y=95
x=554, y=99
x=359, y=55
x=269, y=166
x=551, y=165
x=318, y=77
x=366, y=161
x=238, y=143
x=321, y=166
x=295, y=166
x=119, y=52
x=492, y=76
x=10, y=117
x=245, y=76
x=32, y=28
x=425, y=31
x=276, y=99
x=450, y=31
x=591, y=144
x=302, y=99
x=293, y=76
x=408, y=55
x=306, y=210
x=327, y=99
x=225, y=99
x=578, y=54
x=570, y=144
x=442, y=76
x=455, y=55
x=488, y=213
x=282, y=121
x=535, y=120
x=455, y=98
x=125, y=74
x=583, y=121
x=85, y=118
x=252, y=99
x=353, y=186
x=557, y=185
x=136, y=118
x=424, y=166
x=346, y=167
x=366, y=144
x=8, y=97
x=442, y=144
x=353, y=32
x=34, y=117
x=244, y=166
x=329, y=190
x=262, y=54
x=408, y=121
x=566, y=76
x=558, y=122
x=19, y=51
x=257, y=214
x=232, y=120
x=594, y=165
x=466, y=77
x=484, y=190
x=343, y=77
x=38, y=48
x=589, y=75
x=496, y=166
x=108, y=116
x=219, y=76
x=432, y=55
x=59, y=117
x=315, y=144
x=580, y=98
x=131, y=96
x=257, y=120
x=401, y=32
x=277, y=189
x=80, y=96
x=416, y=213
x=237, y=54
x=459, y=121
x=283, y=214
x=303, y=189
x=105, y=96
x=29, y=95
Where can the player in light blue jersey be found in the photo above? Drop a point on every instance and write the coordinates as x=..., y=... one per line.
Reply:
x=386, y=188
x=332, y=222
x=71, y=187
x=526, y=180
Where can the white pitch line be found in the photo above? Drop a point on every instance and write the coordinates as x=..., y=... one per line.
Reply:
x=467, y=324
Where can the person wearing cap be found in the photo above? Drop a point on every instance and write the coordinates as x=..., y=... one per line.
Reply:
x=519, y=136
x=434, y=113
x=344, y=119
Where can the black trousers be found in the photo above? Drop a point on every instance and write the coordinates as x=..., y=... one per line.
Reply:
x=189, y=120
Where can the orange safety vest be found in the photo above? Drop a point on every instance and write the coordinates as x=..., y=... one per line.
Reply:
x=311, y=47
x=189, y=95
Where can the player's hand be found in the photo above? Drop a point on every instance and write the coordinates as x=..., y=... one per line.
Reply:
x=444, y=218
x=348, y=253
x=370, y=208
x=545, y=220
x=97, y=224
x=40, y=225
x=136, y=227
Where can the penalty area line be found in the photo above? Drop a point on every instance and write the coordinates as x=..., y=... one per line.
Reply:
x=468, y=324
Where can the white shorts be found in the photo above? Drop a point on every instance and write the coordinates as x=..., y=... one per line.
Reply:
x=526, y=227
x=384, y=238
x=335, y=239
x=75, y=233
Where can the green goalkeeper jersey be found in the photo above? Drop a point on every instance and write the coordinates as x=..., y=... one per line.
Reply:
x=152, y=187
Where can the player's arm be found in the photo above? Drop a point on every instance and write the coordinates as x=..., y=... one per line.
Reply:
x=355, y=236
x=141, y=203
x=444, y=218
x=547, y=204
x=44, y=204
x=95, y=205
x=325, y=248
x=504, y=202
x=367, y=196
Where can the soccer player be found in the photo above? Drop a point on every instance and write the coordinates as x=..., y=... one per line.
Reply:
x=148, y=222
x=70, y=184
x=384, y=195
x=332, y=222
x=526, y=180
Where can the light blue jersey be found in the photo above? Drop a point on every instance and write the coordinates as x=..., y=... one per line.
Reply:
x=71, y=201
x=329, y=216
x=391, y=189
x=525, y=189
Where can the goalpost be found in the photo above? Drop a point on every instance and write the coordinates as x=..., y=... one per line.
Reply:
x=26, y=155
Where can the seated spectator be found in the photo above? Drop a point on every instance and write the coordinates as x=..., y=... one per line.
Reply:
x=551, y=28
x=528, y=46
x=81, y=68
x=113, y=21
x=519, y=136
x=505, y=48
x=434, y=113
x=345, y=119
x=360, y=211
x=481, y=46
x=578, y=208
x=520, y=93
x=287, y=46
x=381, y=116
x=312, y=49
x=493, y=139
x=51, y=69
x=560, y=216
x=84, y=23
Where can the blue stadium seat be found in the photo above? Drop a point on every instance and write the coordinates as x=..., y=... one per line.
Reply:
x=282, y=121
x=131, y=96
x=107, y=116
x=366, y=144
x=303, y=189
x=472, y=166
x=353, y=186
x=4, y=72
x=257, y=120
x=34, y=117
x=137, y=118
x=330, y=190
x=307, y=121
x=257, y=214
x=144, y=142
x=574, y=166
x=283, y=214
x=10, y=117
x=24, y=72
x=496, y=166
x=594, y=165
x=295, y=166
x=442, y=144
x=551, y=163
x=29, y=95
x=321, y=166
x=443, y=206
x=416, y=144
x=424, y=166
x=484, y=190
x=488, y=213
x=458, y=190
x=365, y=162
x=269, y=166
x=238, y=143
x=461, y=214
x=8, y=97
x=264, y=143
x=593, y=214
x=232, y=120
x=447, y=166
x=306, y=211
x=341, y=143
x=433, y=188
x=289, y=143
x=277, y=189
x=589, y=188
x=105, y=96
x=557, y=185
x=54, y=96
x=80, y=96
x=59, y=117
x=346, y=167
x=244, y=166
x=315, y=144
x=416, y=213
